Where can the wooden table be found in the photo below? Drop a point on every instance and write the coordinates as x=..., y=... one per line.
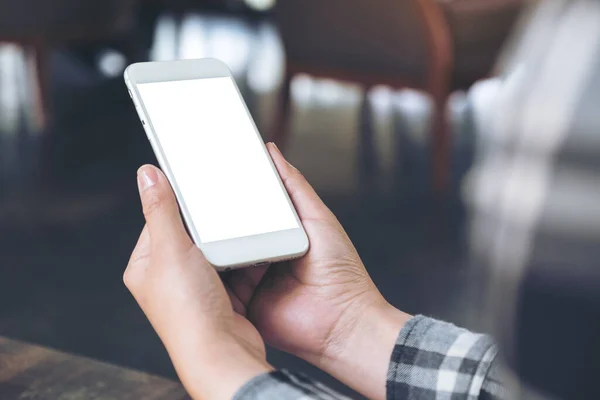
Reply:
x=29, y=372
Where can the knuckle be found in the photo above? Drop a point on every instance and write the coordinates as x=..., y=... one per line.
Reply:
x=131, y=278
x=154, y=201
x=294, y=170
x=127, y=280
x=298, y=174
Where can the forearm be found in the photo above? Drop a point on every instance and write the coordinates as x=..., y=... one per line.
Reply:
x=359, y=353
x=388, y=354
x=219, y=370
x=427, y=359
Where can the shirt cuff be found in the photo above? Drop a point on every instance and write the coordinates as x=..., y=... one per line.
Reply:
x=282, y=384
x=433, y=358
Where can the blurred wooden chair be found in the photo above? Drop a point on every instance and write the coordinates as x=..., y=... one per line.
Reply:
x=402, y=44
x=40, y=25
x=479, y=30
x=399, y=43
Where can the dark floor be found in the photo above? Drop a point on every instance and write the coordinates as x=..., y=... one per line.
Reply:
x=69, y=212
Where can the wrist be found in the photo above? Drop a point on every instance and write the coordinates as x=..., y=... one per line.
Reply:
x=220, y=368
x=361, y=351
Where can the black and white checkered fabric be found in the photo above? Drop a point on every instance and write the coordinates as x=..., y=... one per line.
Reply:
x=437, y=360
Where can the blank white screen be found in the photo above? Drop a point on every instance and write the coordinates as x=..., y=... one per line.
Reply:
x=216, y=158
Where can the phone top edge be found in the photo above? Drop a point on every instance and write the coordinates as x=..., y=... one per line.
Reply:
x=177, y=70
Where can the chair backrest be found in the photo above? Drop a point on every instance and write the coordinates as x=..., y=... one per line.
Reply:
x=379, y=37
x=479, y=30
x=59, y=20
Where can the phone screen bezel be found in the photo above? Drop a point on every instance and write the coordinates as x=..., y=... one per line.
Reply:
x=231, y=253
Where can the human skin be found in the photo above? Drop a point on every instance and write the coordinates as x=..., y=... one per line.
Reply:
x=323, y=307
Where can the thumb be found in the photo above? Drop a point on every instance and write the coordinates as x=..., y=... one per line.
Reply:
x=161, y=210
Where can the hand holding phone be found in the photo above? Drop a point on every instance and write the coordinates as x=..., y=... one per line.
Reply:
x=323, y=308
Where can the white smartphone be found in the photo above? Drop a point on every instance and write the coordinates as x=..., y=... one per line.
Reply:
x=231, y=197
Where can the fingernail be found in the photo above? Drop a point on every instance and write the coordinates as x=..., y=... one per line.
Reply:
x=281, y=154
x=275, y=147
x=147, y=178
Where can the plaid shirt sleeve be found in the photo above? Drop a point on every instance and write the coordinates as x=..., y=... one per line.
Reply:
x=437, y=360
x=284, y=385
x=431, y=360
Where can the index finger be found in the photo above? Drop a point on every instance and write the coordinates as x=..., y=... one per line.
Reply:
x=307, y=202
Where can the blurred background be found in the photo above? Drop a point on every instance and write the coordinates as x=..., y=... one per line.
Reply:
x=372, y=100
